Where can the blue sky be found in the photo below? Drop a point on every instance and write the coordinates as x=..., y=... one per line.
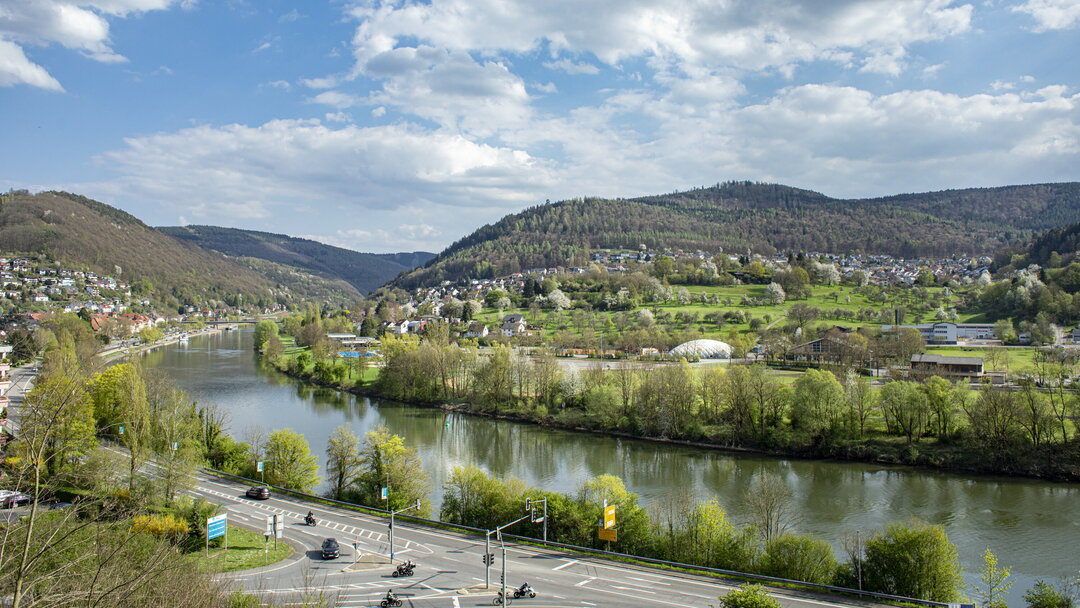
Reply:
x=402, y=125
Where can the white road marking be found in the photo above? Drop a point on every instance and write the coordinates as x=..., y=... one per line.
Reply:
x=651, y=582
x=565, y=565
x=632, y=589
x=588, y=580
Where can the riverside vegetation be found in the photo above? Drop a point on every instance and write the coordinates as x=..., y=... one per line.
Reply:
x=819, y=413
x=131, y=537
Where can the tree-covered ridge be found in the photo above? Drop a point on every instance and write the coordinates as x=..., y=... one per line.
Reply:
x=762, y=217
x=92, y=235
x=364, y=271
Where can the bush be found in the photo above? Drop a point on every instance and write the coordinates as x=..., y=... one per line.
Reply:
x=168, y=526
x=749, y=596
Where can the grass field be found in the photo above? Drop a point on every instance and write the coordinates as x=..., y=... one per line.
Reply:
x=1017, y=357
x=246, y=550
x=824, y=298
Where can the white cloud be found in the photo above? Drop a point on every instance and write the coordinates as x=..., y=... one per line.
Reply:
x=337, y=117
x=280, y=84
x=80, y=27
x=286, y=161
x=260, y=48
x=546, y=87
x=745, y=34
x=378, y=112
x=336, y=98
x=1051, y=14
x=572, y=67
x=1001, y=85
x=15, y=68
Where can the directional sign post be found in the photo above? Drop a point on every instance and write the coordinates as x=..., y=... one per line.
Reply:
x=216, y=526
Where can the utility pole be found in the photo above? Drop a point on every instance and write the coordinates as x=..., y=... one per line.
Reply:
x=415, y=505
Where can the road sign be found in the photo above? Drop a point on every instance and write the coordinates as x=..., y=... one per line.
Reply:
x=385, y=492
x=215, y=526
x=611, y=535
x=609, y=517
x=269, y=525
x=279, y=526
x=259, y=467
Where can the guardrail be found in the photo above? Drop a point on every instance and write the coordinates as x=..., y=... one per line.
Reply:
x=600, y=552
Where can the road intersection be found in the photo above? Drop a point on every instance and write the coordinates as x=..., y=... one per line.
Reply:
x=450, y=568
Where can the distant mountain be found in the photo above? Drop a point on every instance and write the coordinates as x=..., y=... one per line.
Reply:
x=88, y=234
x=364, y=271
x=764, y=218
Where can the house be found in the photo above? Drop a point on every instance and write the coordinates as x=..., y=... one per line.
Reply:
x=476, y=330
x=341, y=337
x=950, y=368
x=514, y=325
x=835, y=346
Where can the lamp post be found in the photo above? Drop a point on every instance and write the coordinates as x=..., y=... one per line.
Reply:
x=415, y=505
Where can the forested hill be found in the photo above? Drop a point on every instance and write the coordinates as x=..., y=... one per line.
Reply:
x=86, y=234
x=364, y=271
x=761, y=217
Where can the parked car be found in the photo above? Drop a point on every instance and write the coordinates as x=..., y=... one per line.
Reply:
x=10, y=500
x=258, y=492
x=330, y=549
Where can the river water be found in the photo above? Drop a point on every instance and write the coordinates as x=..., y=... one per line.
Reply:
x=1033, y=526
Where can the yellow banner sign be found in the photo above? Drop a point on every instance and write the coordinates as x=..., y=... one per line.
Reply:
x=609, y=517
x=608, y=535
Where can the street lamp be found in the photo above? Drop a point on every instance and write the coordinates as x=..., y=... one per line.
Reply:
x=415, y=505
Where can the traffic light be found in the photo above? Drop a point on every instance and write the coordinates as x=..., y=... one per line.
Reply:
x=489, y=558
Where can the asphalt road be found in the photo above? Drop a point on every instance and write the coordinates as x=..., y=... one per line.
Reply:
x=450, y=569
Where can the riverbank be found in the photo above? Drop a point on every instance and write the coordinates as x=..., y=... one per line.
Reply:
x=888, y=451
x=124, y=351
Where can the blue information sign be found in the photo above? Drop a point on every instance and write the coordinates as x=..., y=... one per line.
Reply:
x=215, y=526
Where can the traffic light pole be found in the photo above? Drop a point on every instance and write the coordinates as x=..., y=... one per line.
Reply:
x=488, y=557
x=529, y=502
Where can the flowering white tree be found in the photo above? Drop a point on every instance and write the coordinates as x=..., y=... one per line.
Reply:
x=559, y=300
x=774, y=294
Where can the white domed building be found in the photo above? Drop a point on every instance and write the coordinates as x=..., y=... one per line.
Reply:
x=703, y=349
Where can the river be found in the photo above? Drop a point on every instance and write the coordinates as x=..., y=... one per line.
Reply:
x=1034, y=526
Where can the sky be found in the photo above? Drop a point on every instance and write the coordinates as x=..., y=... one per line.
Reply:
x=402, y=125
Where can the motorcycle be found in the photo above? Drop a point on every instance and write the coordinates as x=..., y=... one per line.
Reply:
x=390, y=603
x=519, y=593
x=404, y=570
x=309, y=520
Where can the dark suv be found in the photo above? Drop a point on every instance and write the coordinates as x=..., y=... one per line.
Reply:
x=259, y=492
x=330, y=549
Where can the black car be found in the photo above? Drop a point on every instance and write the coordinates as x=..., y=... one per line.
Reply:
x=259, y=492
x=330, y=549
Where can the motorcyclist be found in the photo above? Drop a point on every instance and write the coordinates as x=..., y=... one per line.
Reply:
x=390, y=597
x=409, y=565
x=524, y=588
x=310, y=517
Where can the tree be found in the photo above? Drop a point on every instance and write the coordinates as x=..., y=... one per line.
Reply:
x=1043, y=595
x=264, y=330
x=385, y=460
x=123, y=411
x=748, y=596
x=774, y=294
x=913, y=560
x=289, y=461
x=768, y=501
x=818, y=404
x=905, y=409
x=799, y=557
x=342, y=460
x=995, y=581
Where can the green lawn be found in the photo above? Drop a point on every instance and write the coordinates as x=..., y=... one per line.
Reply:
x=246, y=550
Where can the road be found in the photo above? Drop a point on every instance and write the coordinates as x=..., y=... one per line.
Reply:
x=450, y=571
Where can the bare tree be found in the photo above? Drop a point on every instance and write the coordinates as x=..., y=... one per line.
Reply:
x=769, y=501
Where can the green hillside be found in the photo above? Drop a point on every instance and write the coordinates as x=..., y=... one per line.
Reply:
x=764, y=218
x=364, y=271
x=84, y=233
